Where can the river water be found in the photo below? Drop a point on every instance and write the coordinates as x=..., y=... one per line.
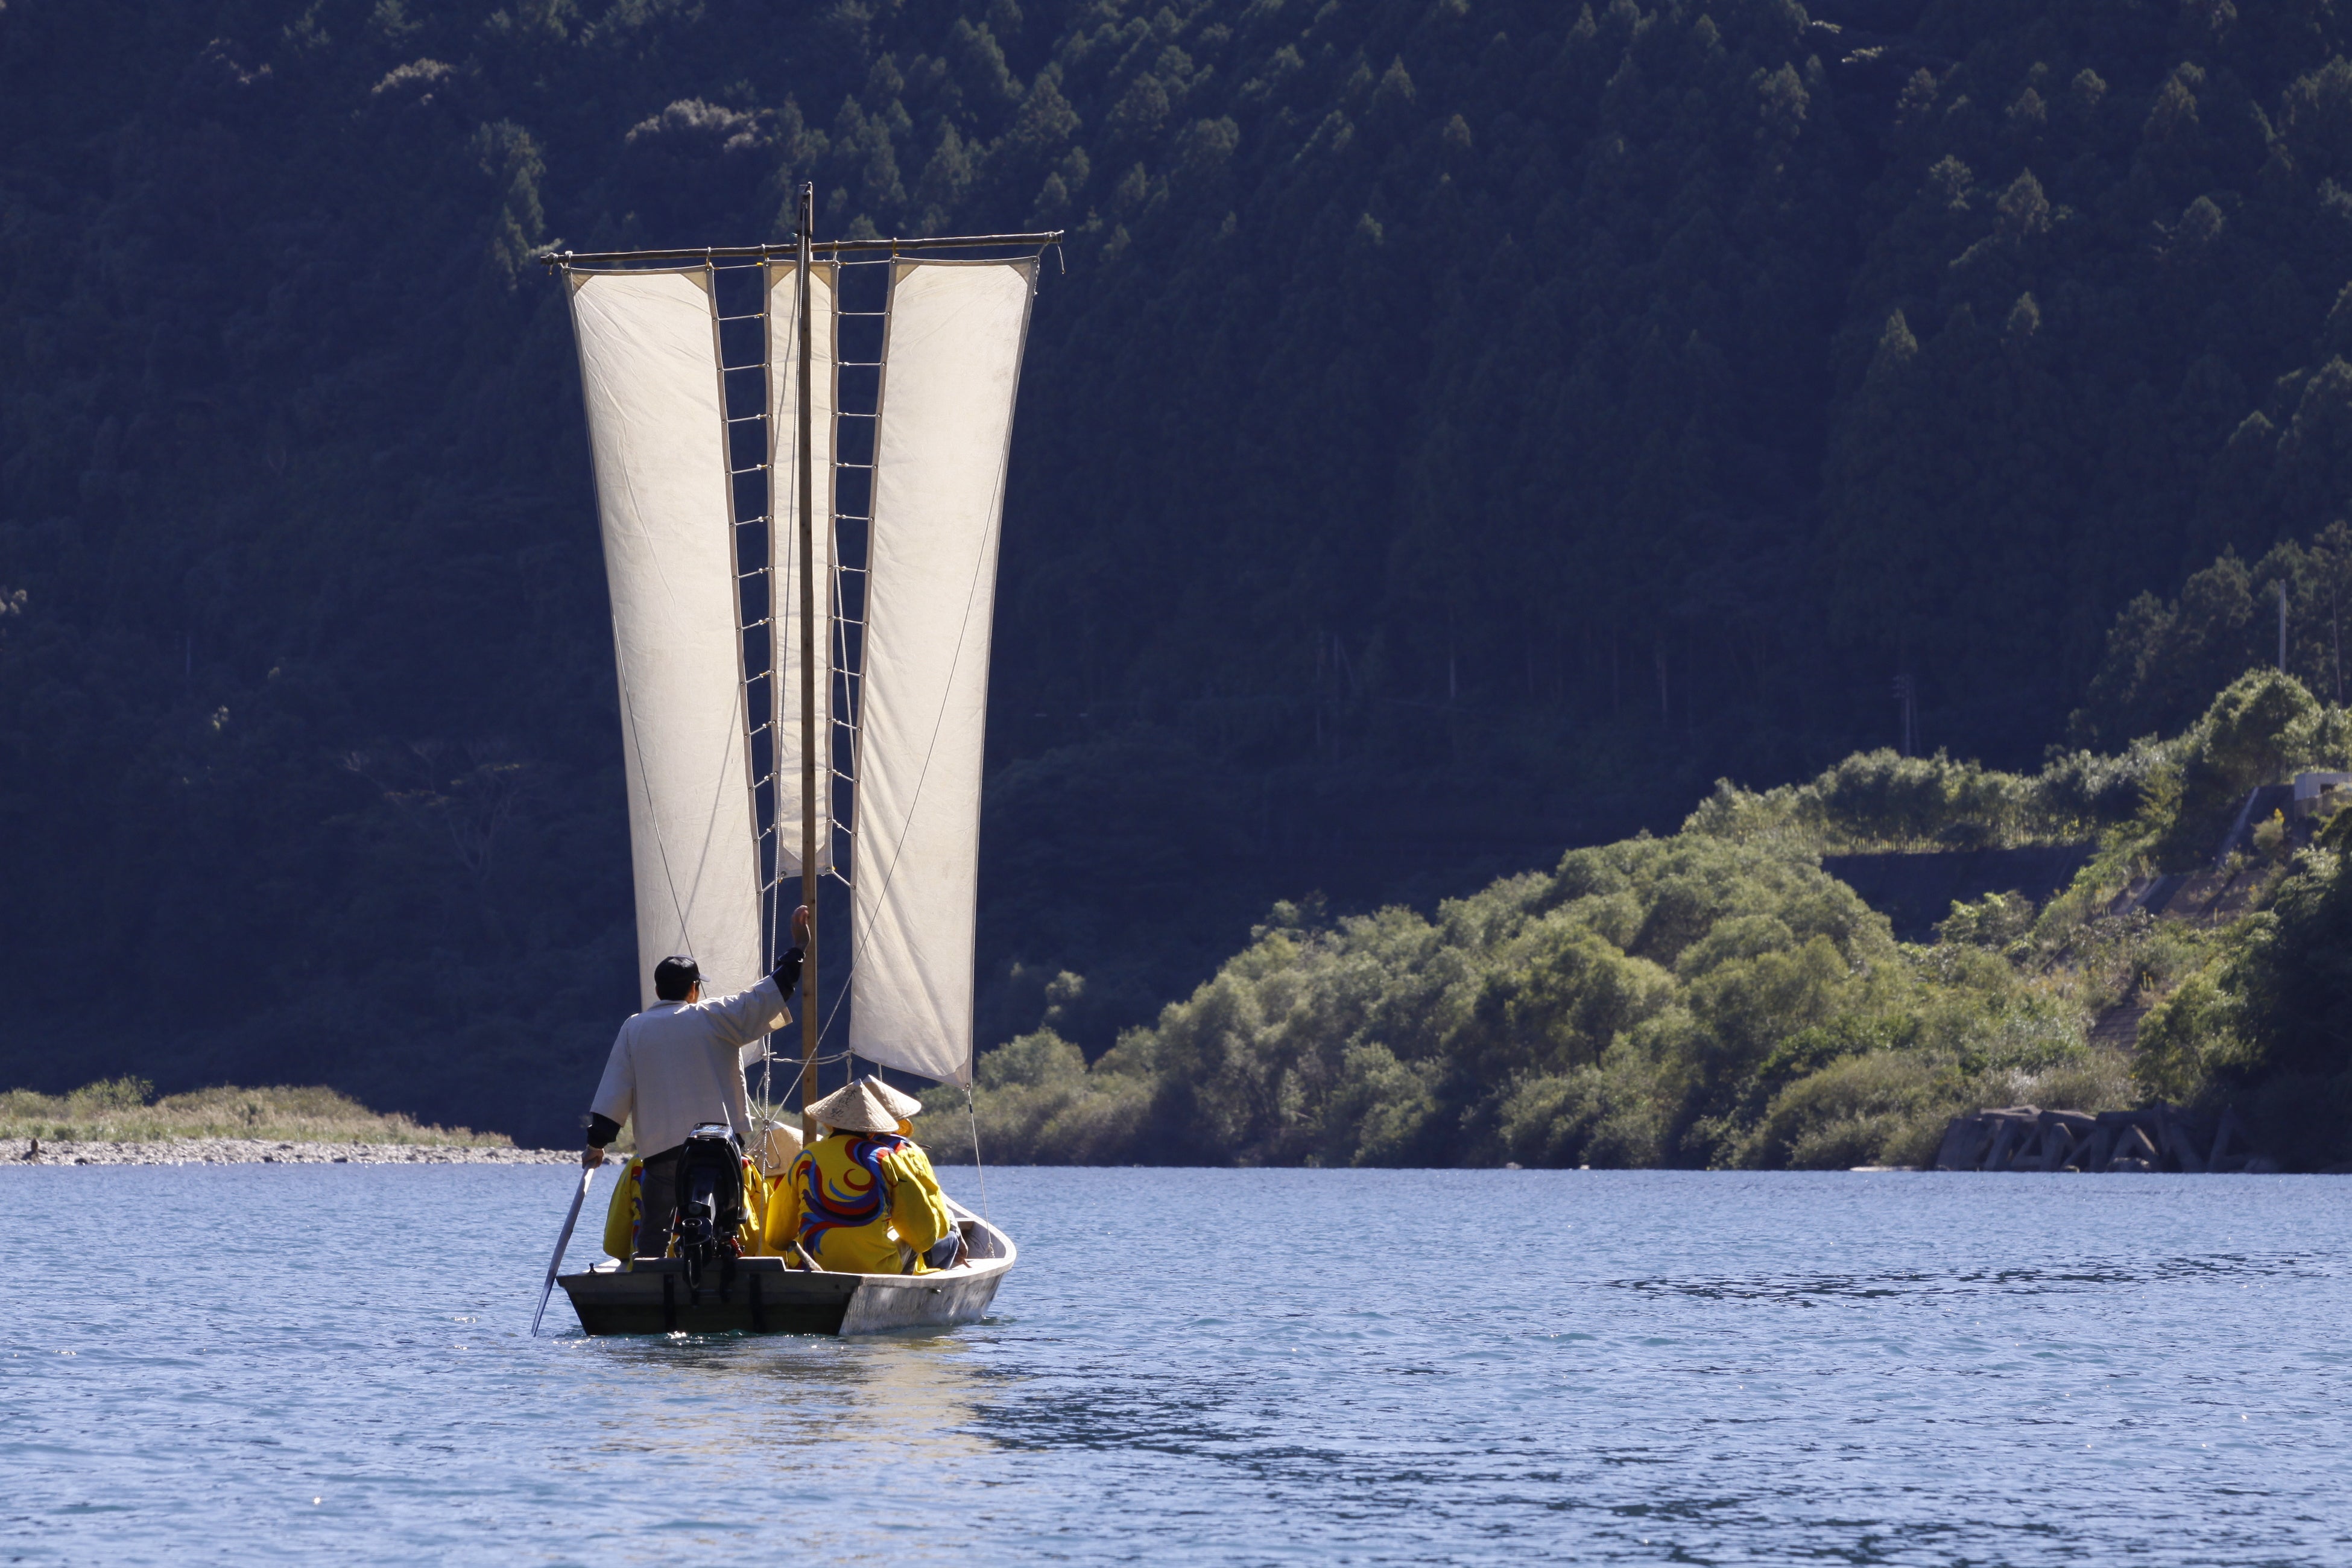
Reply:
x=272, y=1363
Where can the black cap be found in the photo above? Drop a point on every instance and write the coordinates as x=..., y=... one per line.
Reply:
x=673, y=978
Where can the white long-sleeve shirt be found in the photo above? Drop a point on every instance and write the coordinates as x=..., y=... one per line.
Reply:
x=679, y=1064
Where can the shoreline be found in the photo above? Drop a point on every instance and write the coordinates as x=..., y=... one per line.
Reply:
x=17, y=1151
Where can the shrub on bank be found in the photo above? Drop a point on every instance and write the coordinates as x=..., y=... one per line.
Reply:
x=125, y=1110
x=1689, y=1000
x=1716, y=998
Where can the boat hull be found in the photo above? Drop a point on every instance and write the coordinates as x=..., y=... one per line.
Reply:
x=762, y=1296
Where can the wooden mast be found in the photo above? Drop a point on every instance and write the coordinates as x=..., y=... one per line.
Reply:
x=809, y=773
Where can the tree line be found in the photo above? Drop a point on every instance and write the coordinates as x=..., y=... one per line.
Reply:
x=1716, y=998
x=1441, y=412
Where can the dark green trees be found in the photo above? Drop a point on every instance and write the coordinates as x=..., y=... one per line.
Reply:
x=1518, y=411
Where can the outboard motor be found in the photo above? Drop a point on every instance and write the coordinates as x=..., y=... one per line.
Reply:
x=709, y=1205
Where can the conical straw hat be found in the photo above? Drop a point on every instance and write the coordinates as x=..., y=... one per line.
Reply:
x=906, y=1105
x=856, y=1108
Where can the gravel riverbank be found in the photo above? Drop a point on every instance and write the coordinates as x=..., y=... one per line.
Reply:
x=266, y=1151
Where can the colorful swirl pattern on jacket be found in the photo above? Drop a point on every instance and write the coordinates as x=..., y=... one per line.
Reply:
x=841, y=1187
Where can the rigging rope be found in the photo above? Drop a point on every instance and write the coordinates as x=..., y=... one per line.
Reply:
x=939, y=720
x=972, y=1107
x=853, y=692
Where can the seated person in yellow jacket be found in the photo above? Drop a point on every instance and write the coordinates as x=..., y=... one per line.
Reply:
x=628, y=1200
x=862, y=1199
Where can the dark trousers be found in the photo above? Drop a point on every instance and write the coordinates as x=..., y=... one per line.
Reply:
x=656, y=1201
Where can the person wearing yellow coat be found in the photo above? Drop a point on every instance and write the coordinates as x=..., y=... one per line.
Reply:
x=862, y=1199
x=628, y=1198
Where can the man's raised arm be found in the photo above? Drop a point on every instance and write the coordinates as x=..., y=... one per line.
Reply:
x=747, y=1014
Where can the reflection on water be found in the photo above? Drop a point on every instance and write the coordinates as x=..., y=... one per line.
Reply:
x=908, y=1400
x=787, y=1434
x=304, y=1364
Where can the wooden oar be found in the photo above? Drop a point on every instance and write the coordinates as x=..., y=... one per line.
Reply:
x=561, y=1242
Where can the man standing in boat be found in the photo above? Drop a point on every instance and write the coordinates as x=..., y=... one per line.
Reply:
x=679, y=1064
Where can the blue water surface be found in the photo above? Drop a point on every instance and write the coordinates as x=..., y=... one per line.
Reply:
x=315, y=1363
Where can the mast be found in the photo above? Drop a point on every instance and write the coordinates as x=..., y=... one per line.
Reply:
x=808, y=676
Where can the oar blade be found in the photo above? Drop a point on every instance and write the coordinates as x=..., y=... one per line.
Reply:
x=555, y=1263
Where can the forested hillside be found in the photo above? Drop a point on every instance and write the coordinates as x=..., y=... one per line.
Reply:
x=1716, y=998
x=1453, y=430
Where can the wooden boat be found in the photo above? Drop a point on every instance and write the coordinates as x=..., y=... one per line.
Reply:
x=803, y=577
x=763, y=1295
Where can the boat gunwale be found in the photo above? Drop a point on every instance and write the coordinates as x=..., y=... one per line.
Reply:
x=970, y=1269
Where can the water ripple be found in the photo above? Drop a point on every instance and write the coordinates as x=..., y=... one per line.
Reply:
x=1474, y=1367
x=2089, y=1273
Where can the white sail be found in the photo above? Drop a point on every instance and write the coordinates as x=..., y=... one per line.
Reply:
x=952, y=361
x=656, y=428
x=783, y=505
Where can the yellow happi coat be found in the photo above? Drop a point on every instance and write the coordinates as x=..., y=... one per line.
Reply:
x=859, y=1203
x=621, y=1212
